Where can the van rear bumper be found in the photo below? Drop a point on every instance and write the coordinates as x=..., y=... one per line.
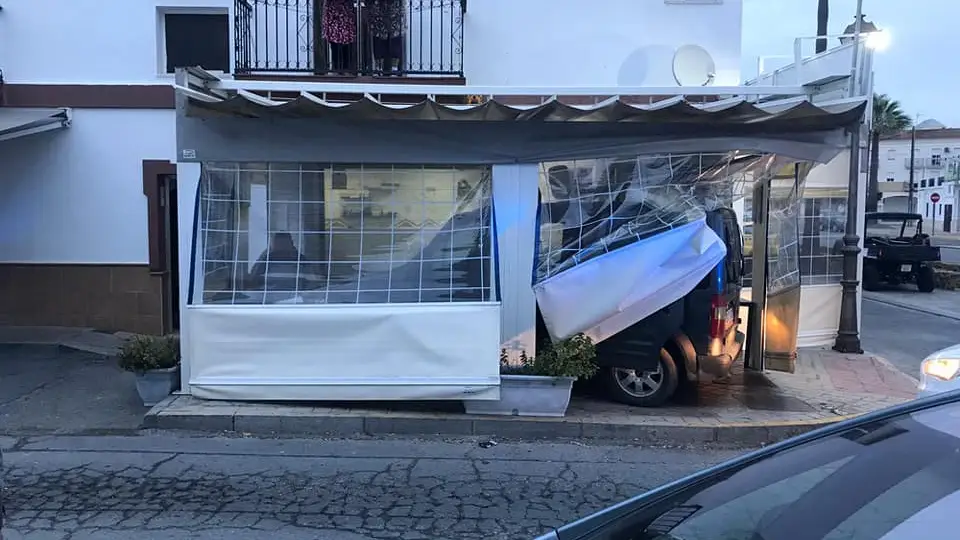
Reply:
x=719, y=365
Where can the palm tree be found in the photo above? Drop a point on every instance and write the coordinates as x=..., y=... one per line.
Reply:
x=888, y=119
x=823, y=17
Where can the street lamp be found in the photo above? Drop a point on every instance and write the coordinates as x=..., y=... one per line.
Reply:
x=848, y=331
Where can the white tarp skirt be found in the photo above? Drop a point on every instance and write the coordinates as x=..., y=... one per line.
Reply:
x=344, y=352
x=611, y=292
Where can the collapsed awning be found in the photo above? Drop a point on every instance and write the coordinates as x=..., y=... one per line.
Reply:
x=19, y=122
x=294, y=121
x=796, y=114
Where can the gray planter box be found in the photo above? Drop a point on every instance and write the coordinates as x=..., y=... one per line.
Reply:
x=526, y=395
x=155, y=385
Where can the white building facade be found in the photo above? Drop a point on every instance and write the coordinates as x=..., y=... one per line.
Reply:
x=935, y=176
x=95, y=232
x=82, y=231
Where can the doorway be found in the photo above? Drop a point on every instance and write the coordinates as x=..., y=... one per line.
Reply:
x=171, y=251
x=947, y=218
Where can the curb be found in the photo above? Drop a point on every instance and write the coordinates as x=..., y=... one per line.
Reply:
x=913, y=308
x=345, y=424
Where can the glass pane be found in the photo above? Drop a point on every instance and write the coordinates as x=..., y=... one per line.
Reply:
x=315, y=233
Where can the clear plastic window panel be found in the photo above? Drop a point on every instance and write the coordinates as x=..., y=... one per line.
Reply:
x=783, y=235
x=594, y=206
x=303, y=233
x=822, y=224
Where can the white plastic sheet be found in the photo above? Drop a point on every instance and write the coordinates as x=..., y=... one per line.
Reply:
x=344, y=352
x=611, y=292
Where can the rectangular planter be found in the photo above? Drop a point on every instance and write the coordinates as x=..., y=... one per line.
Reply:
x=526, y=395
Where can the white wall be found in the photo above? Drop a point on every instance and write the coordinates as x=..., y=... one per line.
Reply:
x=85, y=41
x=608, y=42
x=75, y=195
x=506, y=42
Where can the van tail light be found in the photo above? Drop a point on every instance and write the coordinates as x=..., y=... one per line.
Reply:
x=718, y=317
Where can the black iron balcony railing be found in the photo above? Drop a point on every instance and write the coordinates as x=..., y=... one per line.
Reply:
x=349, y=37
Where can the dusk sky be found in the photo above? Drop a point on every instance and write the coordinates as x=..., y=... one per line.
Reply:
x=919, y=69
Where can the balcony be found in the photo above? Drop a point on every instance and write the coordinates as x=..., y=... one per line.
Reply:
x=924, y=163
x=349, y=38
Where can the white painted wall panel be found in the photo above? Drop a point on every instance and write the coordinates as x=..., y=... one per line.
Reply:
x=75, y=195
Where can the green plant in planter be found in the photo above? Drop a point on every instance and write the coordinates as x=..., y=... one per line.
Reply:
x=147, y=353
x=571, y=357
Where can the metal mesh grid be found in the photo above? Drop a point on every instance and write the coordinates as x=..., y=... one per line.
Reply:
x=822, y=221
x=304, y=233
x=594, y=206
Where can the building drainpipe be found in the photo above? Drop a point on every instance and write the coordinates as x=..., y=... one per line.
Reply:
x=848, y=332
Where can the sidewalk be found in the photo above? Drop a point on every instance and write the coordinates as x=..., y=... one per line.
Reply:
x=939, y=302
x=65, y=381
x=751, y=409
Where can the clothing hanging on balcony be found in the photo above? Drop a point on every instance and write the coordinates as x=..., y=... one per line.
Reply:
x=386, y=27
x=339, y=28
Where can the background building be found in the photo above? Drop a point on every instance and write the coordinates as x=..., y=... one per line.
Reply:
x=937, y=153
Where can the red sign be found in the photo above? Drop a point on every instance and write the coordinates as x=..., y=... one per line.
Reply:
x=934, y=198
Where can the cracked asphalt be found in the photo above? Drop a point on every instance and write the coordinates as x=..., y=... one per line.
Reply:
x=162, y=485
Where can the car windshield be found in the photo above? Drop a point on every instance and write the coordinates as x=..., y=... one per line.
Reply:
x=894, y=228
x=888, y=480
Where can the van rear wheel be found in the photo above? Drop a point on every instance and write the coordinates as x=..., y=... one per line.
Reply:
x=644, y=388
x=925, y=279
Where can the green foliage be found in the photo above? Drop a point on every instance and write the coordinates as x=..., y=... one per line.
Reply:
x=146, y=353
x=888, y=116
x=571, y=357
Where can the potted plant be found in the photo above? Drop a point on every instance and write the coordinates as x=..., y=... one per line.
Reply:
x=155, y=361
x=540, y=385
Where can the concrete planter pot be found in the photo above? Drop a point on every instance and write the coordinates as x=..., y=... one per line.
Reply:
x=156, y=384
x=526, y=395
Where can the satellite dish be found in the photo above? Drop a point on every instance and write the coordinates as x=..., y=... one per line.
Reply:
x=693, y=66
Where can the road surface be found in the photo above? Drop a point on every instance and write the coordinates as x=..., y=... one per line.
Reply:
x=903, y=336
x=165, y=486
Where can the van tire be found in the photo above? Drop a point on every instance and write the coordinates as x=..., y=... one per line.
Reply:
x=622, y=385
x=925, y=279
x=871, y=278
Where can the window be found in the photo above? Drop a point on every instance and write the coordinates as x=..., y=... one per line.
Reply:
x=196, y=39
x=936, y=160
x=822, y=223
x=891, y=154
x=923, y=183
x=280, y=233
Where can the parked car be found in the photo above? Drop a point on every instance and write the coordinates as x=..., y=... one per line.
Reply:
x=893, y=475
x=940, y=372
x=644, y=364
x=897, y=251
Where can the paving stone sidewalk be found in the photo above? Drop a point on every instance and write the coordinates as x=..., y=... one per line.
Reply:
x=751, y=408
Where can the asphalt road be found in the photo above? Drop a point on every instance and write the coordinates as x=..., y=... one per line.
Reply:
x=903, y=336
x=166, y=486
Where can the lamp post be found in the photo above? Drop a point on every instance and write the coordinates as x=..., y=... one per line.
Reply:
x=848, y=331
